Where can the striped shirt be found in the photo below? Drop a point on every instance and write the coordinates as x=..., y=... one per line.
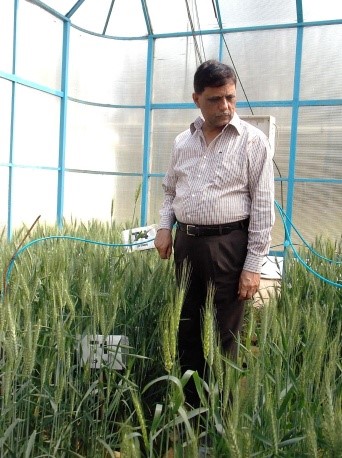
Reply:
x=228, y=180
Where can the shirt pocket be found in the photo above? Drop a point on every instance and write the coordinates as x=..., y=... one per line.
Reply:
x=230, y=169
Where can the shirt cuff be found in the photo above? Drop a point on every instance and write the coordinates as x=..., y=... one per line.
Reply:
x=253, y=263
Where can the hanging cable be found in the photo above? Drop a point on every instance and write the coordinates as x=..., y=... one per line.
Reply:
x=237, y=74
x=199, y=29
x=197, y=49
x=231, y=58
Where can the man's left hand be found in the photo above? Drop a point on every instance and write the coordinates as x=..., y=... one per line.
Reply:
x=248, y=284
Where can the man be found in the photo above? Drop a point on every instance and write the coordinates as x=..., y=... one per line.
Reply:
x=219, y=188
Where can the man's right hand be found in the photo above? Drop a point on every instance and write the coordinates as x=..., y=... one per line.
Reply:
x=163, y=243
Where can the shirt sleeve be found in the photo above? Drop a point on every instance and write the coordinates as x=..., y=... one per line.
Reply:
x=261, y=188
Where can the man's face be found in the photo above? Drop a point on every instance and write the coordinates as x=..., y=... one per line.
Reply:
x=217, y=104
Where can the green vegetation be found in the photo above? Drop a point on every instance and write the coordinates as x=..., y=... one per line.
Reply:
x=282, y=398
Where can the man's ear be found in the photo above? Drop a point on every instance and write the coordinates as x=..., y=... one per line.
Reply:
x=195, y=97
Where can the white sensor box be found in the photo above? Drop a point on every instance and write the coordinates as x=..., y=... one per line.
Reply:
x=267, y=124
x=99, y=350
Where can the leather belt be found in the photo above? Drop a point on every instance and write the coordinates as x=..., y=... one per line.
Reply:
x=215, y=229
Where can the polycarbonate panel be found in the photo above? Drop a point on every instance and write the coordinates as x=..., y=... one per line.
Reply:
x=119, y=26
x=5, y=120
x=34, y=193
x=107, y=71
x=62, y=6
x=256, y=55
x=156, y=197
x=102, y=197
x=243, y=13
x=321, y=11
x=36, y=128
x=166, y=125
x=39, y=45
x=92, y=15
x=174, y=17
x=317, y=210
x=125, y=19
x=104, y=139
x=321, y=63
x=175, y=62
x=319, y=143
x=278, y=231
x=3, y=196
x=6, y=34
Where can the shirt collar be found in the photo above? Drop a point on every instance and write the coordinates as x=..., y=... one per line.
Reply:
x=235, y=122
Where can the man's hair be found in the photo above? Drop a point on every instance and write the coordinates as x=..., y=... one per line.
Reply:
x=212, y=73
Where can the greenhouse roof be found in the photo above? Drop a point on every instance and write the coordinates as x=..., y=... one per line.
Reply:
x=158, y=17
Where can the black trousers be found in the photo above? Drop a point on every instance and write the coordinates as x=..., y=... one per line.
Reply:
x=217, y=260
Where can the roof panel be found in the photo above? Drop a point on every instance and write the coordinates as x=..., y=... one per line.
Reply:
x=321, y=11
x=181, y=15
x=244, y=13
x=127, y=19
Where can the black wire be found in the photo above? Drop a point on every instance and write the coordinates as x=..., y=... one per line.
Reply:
x=200, y=31
x=243, y=89
x=237, y=74
x=193, y=32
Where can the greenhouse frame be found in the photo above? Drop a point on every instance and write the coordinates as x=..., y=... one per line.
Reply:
x=93, y=94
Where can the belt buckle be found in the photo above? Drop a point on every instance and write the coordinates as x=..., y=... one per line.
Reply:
x=187, y=229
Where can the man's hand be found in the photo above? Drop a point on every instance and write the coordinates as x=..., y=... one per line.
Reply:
x=163, y=243
x=248, y=284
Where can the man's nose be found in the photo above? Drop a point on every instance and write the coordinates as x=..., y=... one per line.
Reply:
x=224, y=104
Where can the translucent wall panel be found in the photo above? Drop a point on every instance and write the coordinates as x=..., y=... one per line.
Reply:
x=5, y=119
x=107, y=71
x=278, y=232
x=156, y=197
x=173, y=16
x=166, y=125
x=239, y=13
x=265, y=62
x=6, y=32
x=175, y=63
x=104, y=139
x=36, y=129
x=34, y=193
x=318, y=210
x=39, y=46
x=3, y=196
x=319, y=144
x=321, y=63
x=320, y=11
x=103, y=197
